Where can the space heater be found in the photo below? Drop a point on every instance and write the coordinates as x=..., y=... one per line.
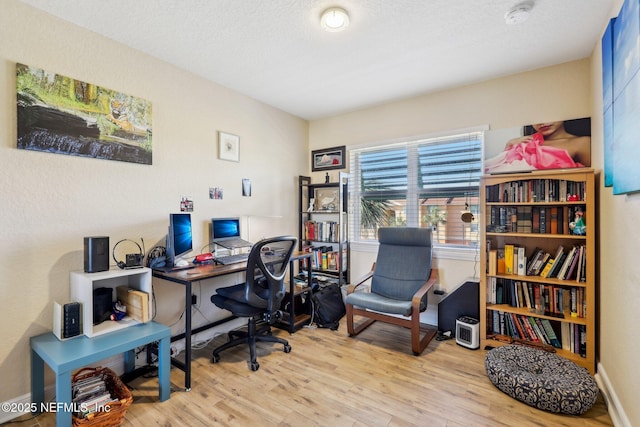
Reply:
x=468, y=332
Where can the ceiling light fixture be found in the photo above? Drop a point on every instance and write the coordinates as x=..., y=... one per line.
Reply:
x=519, y=13
x=334, y=19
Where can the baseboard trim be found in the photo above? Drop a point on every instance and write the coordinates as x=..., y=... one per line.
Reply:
x=616, y=411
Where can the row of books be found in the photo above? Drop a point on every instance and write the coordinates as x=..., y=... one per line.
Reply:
x=90, y=394
x=534, y=219
x=321, y=231
x=566, y=264
x=536, y=190
x=550, y=300
x=325, y=258
x=566, y=336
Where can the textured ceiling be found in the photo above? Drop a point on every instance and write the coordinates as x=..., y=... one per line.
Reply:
x=276, y=52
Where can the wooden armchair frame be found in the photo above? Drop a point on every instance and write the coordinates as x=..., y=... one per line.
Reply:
x=418, y=343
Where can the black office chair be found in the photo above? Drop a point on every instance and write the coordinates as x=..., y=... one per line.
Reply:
x=259, y=298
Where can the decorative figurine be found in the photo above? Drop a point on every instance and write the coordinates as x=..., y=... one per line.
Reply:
x=312, y=202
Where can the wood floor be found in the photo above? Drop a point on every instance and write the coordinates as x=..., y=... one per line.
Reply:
x=329, y=379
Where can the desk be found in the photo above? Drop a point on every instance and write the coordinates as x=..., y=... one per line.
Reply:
x=210, y=271
x=63, y=357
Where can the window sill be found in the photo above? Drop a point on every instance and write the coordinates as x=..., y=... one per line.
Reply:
x=440, y=252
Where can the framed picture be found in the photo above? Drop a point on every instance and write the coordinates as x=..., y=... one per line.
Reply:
x=559, y=144
x=327, y=199
x=328, y=158
x=228, y=147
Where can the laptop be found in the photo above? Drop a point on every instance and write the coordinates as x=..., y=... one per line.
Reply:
x=226, y=233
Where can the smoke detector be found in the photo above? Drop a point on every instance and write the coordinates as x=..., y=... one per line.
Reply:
x=519, y=13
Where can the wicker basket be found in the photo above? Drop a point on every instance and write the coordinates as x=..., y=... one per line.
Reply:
x=117, y=410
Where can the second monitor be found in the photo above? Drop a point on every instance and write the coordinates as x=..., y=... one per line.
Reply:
x=226, y=233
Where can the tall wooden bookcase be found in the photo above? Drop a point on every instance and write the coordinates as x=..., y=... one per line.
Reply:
x=323, y=226
x=537, y=211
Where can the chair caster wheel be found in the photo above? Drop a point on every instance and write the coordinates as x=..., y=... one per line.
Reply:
x=254, y=366
x=215, y=358
x=287, y=348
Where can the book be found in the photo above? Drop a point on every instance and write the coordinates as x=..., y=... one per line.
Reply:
x=493, y=262
x=554, y=220
x=508, y=258
x=547, y=268
x=543, y=221
x=501, y=262
x=570, y=274
x=567, y=262
x=548, y=329
x=535, y=219
x=521, y=262
x=537, y=268
x=532, y=260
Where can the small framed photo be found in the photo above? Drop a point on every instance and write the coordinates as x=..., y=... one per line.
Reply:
x=327, y=199
x=228, y=147
x=328, y=158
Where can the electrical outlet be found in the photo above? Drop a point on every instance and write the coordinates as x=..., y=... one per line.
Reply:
x=194, y=299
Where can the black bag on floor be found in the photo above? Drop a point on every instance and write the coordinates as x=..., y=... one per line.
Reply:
x=328, y=306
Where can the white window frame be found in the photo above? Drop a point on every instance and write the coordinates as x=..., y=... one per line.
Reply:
x=442, y=251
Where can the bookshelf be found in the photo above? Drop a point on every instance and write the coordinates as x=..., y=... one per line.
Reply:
x=538, y=280
x=323, y=231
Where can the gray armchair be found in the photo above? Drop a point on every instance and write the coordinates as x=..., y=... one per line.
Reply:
x=400, y=280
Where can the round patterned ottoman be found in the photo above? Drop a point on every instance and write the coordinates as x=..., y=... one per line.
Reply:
x=540, y=379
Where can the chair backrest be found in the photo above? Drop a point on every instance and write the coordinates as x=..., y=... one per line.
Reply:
x=403, y=263
x=266, y=268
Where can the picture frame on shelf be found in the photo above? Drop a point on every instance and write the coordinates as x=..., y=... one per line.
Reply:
x=327, y=199
x=328, y=159
x=228, y=147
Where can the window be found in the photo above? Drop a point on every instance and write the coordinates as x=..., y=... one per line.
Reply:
x=426, y=182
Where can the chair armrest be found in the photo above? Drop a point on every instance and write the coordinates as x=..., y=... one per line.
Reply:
x=351, y=288
x=420, y=293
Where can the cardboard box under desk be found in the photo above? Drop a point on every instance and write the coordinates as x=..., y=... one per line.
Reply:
x=137, y=303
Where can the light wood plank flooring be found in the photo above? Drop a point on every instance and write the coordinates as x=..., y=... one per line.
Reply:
x=330, y=379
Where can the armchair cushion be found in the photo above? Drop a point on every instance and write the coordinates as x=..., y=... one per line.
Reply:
x=378, y=302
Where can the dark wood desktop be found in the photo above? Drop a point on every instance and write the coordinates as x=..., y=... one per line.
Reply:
x=186, y=278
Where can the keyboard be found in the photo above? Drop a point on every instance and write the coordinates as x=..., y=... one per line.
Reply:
x=232, y=259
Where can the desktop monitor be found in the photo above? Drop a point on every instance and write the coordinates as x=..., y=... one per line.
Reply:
x=180, y=237
x=225, y=229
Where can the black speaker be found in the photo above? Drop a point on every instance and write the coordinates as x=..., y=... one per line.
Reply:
x=96, y=254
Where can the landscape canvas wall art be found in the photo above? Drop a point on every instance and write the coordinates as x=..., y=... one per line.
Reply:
x=59, y=114
x=621, y=99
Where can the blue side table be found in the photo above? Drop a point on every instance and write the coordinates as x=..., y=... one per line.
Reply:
x=63, y=357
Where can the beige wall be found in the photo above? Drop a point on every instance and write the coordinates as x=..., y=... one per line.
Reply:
x=560, y=92
x=619, y=296
x=51, y=201
x=570, y=90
